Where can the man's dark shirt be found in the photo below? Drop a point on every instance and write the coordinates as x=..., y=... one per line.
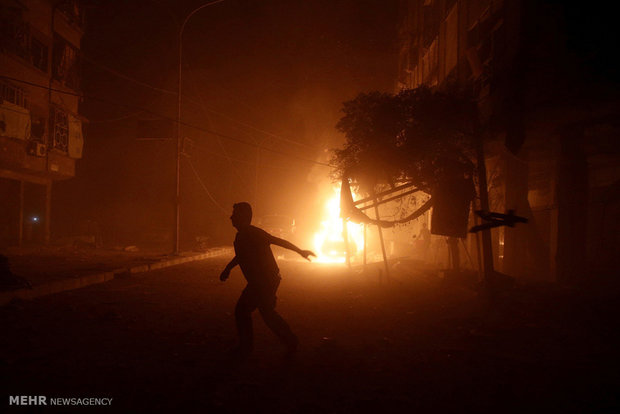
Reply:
x=253, y=252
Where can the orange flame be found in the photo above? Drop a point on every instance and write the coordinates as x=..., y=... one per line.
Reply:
x=329, y=240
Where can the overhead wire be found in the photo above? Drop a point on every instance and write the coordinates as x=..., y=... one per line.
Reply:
x=116, y=119
x=175, y=93
x=237, y=160
x=204, y=187
x=228, y=137
x=219, y=141
x=125, y=77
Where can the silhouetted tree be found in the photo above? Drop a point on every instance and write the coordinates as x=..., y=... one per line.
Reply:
x=428, y=137
x=417, y=135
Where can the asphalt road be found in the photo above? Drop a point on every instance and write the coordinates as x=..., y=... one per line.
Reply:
x=158, y=342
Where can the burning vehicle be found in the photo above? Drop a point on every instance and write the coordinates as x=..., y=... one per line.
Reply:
x=278, y=225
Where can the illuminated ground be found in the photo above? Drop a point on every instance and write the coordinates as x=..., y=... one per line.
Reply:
x=159, y=341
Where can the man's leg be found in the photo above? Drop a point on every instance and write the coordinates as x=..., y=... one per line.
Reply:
x=243, y=317
x=274, y=321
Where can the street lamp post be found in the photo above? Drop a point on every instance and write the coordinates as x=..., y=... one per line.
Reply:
x=178, y=146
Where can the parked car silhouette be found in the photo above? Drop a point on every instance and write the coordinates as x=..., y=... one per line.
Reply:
x=277, y=225
x=338, y=248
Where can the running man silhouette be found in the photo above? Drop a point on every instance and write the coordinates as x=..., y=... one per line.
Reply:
x=253, y=254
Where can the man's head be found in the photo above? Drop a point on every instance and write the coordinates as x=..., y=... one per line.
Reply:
x=241, y=215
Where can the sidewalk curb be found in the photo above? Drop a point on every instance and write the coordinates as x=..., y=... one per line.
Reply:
x=79, y=282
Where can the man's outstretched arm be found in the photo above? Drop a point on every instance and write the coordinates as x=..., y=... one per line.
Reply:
x=288, y=245
x=226, y=272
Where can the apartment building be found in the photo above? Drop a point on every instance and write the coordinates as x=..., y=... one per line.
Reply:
x=550, y=118
x=40, y=125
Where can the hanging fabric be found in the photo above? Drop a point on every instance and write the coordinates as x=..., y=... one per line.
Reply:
x=76, y=139
x=14, y=121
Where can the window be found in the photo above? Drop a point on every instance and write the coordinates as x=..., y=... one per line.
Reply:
x=13, y=94
x=38, y=54
x=72, y=11
x=65, y=63
x=17, y=37
x=14, y=32
x=60, y=129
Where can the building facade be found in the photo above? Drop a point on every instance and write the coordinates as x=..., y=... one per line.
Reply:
x=40, y=126
x=539, y=72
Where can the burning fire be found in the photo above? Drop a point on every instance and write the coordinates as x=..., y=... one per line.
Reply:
x=329, y=242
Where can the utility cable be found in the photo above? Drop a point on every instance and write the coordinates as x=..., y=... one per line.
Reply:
x=175, y=93
x=219, y=141
x=205, y=187
x=119, y=118
x=125, y=77
x=237, y=160
x=135, y=107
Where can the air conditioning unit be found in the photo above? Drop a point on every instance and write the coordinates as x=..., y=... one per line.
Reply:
x=37, y=149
